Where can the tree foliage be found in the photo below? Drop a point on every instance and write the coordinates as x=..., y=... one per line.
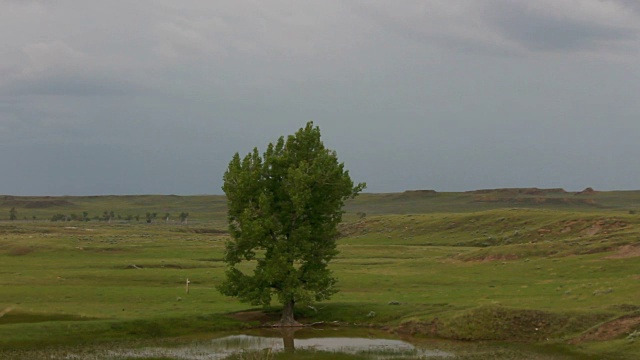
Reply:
x=283, y=211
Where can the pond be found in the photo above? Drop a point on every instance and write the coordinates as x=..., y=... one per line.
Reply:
x=277, y=344
x=226, y=347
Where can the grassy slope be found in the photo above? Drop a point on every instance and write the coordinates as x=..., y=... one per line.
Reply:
x=87, y=271
x=455, y=262
x=412, y=202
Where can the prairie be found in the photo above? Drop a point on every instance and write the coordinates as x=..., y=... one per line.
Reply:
x=542, y=267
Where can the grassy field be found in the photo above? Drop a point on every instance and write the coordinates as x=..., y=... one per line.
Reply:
x=547, y=267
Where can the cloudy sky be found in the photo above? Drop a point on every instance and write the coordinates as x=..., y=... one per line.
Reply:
x=155, y=96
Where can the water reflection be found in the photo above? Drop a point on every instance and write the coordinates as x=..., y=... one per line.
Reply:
x=222, y=348
x=288, y=338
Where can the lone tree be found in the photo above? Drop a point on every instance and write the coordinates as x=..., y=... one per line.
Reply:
x=283, y=210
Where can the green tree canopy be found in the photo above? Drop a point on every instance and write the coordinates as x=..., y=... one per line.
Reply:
x=283, y=211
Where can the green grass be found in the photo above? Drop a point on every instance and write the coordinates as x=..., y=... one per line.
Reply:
x=452, y=266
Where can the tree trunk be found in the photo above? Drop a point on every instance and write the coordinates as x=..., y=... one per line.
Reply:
x=287, y=315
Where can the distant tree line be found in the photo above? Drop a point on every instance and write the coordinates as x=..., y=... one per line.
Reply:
x=107, y=216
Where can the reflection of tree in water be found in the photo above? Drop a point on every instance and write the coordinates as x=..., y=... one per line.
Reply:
x=288, y=337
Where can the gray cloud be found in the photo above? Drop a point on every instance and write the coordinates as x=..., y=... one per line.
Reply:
x=629, y=4
x=535, y=30
x=507, y=28
x=61, y=85
x=156, y=95
x=438, y=24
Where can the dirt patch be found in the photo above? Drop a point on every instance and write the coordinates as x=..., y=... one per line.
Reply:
x=20, y=251
x=162, y=266
x=112, y=250
x=254, y=316
x=203, y=231
x=6, y=311
x=485, y=258
x=499, y=257
x=593, y=230
x=592, y=227
x=627, y=251
x=603, y=226
x=610, y=330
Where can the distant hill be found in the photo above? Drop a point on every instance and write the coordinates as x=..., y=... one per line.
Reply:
x=430, y=201
x=213, y=207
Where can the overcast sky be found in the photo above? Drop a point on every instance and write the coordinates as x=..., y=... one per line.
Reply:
x=155, y=96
